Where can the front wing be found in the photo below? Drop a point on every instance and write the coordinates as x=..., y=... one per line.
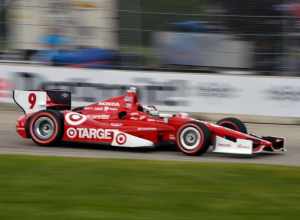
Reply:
x=248, y=147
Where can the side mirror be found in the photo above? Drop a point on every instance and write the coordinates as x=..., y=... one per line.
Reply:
x=122, y=115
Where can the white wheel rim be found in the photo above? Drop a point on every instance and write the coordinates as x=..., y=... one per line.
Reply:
x=190, y=138
x=43, y=128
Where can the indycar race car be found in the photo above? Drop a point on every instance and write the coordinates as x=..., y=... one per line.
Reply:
x=123, y=122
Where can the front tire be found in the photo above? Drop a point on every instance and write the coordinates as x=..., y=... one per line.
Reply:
x=234, y=124
x=46, y=127
x=193, y=138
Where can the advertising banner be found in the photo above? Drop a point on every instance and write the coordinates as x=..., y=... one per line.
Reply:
x=170, y=91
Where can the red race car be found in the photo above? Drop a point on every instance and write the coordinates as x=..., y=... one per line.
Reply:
x=123, y=122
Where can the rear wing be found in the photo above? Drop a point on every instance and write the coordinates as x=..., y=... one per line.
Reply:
x=34, y=101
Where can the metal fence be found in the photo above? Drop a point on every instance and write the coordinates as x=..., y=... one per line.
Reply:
x=261, y=36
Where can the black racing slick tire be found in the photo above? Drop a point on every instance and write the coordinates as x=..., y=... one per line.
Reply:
x=193, y=138
x=234, y=124
x=46, y=127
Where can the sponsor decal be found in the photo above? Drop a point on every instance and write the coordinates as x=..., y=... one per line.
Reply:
x=107, y=108
x=116, y=124
x=100, y=116
x=90, y=133
x=224, y=145
x=137, y=117
x=20, y=129
x=284, y=93
x=71, y=133
x=242, y=146
x=163, y=92
x=92, y=108
x=147, y=129
x=172, y=137
x=143, y=117
x=217, y=90
x=73, y=118
x=121, y=139
x=104, y=108
x=112, y=104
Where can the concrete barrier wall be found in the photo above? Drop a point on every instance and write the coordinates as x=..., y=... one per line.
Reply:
x=212, y=94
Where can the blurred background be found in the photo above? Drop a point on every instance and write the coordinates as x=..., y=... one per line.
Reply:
x=253, y=36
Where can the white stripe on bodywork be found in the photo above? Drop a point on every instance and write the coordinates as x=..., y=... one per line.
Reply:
x=241, y=146
x=131, y=141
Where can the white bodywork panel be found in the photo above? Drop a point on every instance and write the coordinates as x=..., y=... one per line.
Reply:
x=122, y=139
x=30, y=101
x=241, y=146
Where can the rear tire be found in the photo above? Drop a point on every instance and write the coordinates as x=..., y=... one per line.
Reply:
x=193, y=138
x=46, y=127
x=234, y=124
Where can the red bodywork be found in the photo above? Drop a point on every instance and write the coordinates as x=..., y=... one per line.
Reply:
x=106, y=121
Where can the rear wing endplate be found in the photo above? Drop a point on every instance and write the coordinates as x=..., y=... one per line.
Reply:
x=30, y=101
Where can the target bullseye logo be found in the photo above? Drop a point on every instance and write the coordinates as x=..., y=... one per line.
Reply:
x=73, y=118
x=71, y=133
x=121, y=139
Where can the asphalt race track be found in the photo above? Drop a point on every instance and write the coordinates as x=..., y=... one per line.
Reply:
x=10, y=143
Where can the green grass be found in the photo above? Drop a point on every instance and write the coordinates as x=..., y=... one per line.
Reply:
x=69, y=188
